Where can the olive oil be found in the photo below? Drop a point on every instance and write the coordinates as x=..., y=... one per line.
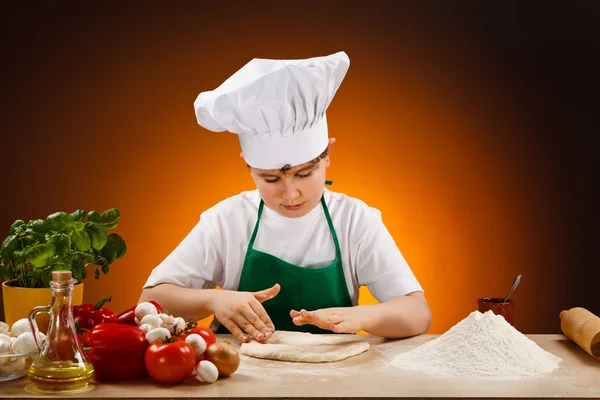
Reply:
x=59, y=376
x=62, y=364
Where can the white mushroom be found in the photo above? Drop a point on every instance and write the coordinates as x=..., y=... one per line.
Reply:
x=197, y=342
x=146, y=328
x=26, y=344
x=144, y=308
x=179, y=324
x=3, y=327
x=206, y=372
x=157, y=334
x=20, y=327
x=166, y=319
x=12, y=367
x=4, y=346
x=152, y=320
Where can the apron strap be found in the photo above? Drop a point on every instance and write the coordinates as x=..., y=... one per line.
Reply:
x=260, y=210
x=338, y=253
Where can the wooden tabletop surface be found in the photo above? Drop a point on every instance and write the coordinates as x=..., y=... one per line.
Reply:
x=367, y=375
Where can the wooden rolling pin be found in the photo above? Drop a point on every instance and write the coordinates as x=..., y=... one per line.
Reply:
x=582, y=327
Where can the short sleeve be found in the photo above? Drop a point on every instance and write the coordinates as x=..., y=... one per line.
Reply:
x=194, y=263
x=380, y=264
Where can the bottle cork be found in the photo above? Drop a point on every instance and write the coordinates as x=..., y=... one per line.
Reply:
x=61, y=276
x=582, y=327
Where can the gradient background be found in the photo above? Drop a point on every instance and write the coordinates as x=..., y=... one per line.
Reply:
x=468, y=124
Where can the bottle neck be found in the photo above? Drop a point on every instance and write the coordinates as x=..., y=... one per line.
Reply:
x=61, y=305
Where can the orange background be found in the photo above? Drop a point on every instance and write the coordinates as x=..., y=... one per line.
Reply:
x=442, y=123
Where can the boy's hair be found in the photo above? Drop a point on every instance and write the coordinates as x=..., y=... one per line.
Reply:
x=287, y=167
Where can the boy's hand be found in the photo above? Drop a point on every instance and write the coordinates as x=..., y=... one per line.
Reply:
x=243, y=311
x=338, y=320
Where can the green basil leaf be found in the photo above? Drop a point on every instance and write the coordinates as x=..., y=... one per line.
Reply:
x=88, y=257
x=9, y=245
x=97, y=234
x=39, y=225
x=77, y=274
x=103, y=263
x=81, y=240
x=46, y=277
x=61, y=243
x=15, y=226
x=60, y=221
x=108, y=219
x=115, y=248
x=19, y=256
x=4, y=272
x=78, y=268
x=78, y=215
x=33, y=237
x=39, y=255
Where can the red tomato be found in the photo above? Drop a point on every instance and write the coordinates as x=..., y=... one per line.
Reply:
x=170, y=363
x=208, y=335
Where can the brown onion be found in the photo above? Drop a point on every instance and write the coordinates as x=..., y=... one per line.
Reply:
x=225, y=357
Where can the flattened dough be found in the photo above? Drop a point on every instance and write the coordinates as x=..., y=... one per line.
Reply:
x=305, y=347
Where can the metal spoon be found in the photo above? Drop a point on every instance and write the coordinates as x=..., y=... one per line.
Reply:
x=514, y=286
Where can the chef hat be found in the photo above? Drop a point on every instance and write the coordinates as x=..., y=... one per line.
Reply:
x=276, y=107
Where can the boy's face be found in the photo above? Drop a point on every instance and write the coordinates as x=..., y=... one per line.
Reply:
x=294, y=193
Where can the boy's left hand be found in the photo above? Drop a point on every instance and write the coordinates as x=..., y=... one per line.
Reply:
x=338, y=320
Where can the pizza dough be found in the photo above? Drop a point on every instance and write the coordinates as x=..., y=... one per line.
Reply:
x=305, y=347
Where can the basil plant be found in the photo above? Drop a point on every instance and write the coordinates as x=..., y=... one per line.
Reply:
x=62, y=241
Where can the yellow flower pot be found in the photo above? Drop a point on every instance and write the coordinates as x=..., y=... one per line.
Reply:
x=18, y=302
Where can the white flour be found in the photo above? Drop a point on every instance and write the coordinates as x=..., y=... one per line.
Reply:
x=480, y=346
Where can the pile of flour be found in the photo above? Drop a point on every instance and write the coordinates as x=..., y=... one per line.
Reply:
x=481, y=346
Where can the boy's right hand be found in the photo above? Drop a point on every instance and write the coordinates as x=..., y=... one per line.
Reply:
x=243, y=311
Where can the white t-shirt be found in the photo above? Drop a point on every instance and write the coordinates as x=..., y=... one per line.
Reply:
x=212, y=254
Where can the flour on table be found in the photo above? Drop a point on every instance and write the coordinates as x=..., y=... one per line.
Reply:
x=481, y=346
x=305, y=347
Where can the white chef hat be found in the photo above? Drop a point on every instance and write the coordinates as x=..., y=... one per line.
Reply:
x=276, y=107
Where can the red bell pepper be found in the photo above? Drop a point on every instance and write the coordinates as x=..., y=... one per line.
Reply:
x=128, y=316
x=84, y=336
x=117, y=351
x=86, y=316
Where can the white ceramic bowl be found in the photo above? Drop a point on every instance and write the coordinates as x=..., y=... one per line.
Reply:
x=13, y=366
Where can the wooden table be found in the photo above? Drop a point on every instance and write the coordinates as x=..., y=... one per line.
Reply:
x=367, y=375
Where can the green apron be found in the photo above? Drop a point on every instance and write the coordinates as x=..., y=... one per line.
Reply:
x=301, y=288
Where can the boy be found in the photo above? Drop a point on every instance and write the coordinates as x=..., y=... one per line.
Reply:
x=290, y=255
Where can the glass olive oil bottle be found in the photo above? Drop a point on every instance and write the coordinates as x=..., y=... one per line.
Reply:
x=62, y=364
